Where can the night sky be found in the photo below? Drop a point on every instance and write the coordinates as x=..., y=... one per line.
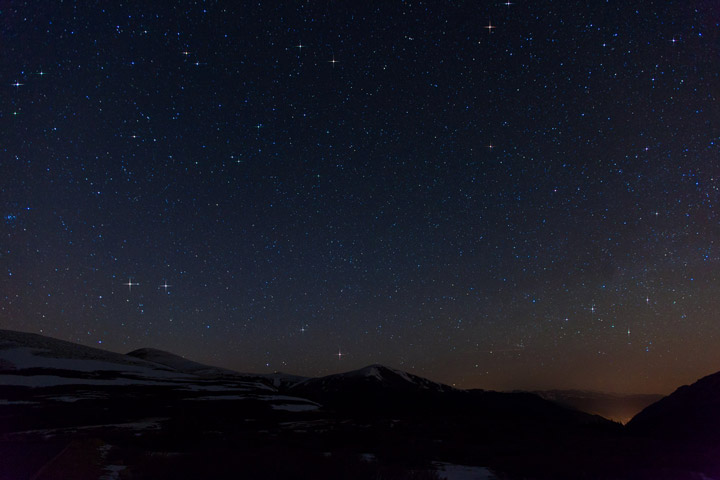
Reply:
x=491, y=195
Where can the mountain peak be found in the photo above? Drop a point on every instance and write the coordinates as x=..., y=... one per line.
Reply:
x=380, y=372
x=380, y=376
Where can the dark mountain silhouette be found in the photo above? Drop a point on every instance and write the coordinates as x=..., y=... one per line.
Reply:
x=372, y=376
x=691, y=412
x=613, y=406
x=380, y=390
x=373, y=389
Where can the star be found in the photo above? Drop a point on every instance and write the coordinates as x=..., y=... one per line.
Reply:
x=41, y=73
x=340, y=354
x=490, y=27
x=17, y=84
x=491, y=146
x=508, y=3
x=165, y=285
x=302, y=329
x=259, y=126
x=185, y=52
x=333, y=61
x=300, y=46
x=130, y=284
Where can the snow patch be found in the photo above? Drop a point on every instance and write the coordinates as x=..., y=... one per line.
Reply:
x=219, y=397
x=295, y=407
x=450, y=471
x=16, y=402
x=38, y=381
x=112, y=472
x=66, y=399
x=243, y=387
x=284, y=397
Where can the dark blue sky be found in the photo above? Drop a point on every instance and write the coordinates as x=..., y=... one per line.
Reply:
x=532, y=205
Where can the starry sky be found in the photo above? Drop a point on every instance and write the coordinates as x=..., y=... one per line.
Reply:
x=503, y=195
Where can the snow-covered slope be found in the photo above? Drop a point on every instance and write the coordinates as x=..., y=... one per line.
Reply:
x=32, y=360
x=29, y=359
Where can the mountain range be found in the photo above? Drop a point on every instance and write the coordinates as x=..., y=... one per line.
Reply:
x=64, y=404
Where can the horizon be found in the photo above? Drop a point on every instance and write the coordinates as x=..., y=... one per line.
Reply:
x=346, y=368
x=498, y=195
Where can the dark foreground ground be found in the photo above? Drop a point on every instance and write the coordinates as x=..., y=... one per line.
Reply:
x=155, y=433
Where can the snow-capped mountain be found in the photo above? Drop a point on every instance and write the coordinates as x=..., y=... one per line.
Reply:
x=375, y=389
x=377, y=375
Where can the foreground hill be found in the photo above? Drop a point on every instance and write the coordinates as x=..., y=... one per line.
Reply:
x=691, y=412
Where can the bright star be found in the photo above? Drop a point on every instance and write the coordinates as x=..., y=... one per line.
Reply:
x=17, y=84
x=490, y=27
x=333, y=61
x=165, y=285
x=130, y=284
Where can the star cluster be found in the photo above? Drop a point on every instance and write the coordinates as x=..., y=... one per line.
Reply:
x=490, y=194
